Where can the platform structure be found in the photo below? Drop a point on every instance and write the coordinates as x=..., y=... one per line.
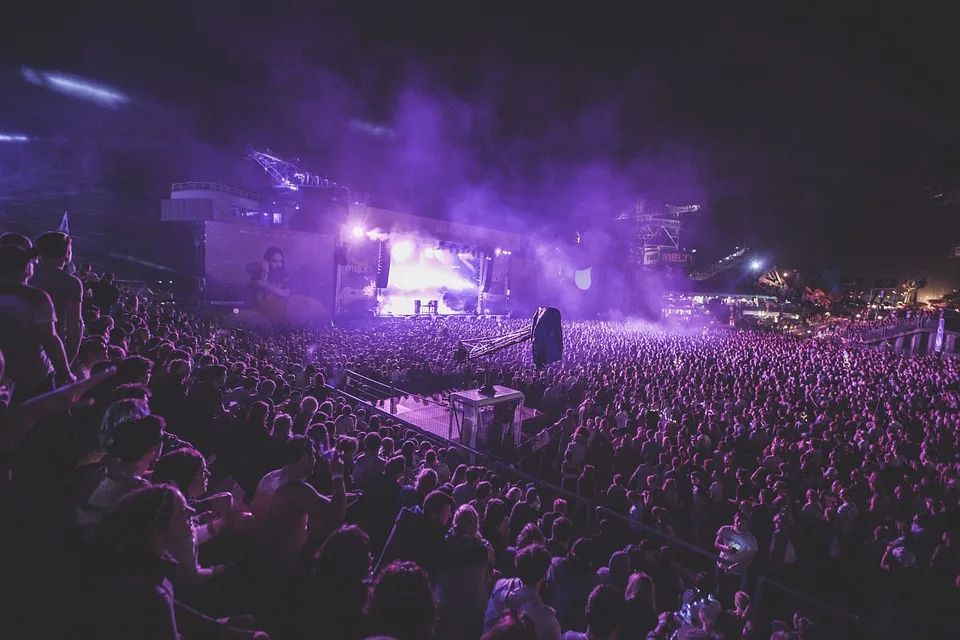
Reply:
x=452, y=418
x=487, y=422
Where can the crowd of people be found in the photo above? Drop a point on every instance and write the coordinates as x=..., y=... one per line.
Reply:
x=165, y=478
x=867, y=326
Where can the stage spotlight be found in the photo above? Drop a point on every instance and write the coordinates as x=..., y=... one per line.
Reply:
x=497, y=251
x=402, y=250
x=755, y=265
x=429, y=252
x=358, y=232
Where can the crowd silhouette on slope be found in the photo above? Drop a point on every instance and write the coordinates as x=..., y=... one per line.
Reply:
x=165, y=477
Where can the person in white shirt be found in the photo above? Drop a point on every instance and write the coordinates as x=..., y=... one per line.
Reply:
x=369, y=465
x=346, y=423
x=737, y=547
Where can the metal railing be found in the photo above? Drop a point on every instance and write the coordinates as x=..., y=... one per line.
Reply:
x=894, y=330
x=370, y=389
x=213, y=186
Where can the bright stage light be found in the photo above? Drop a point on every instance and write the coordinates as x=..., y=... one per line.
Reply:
x=429, y=252
x=402, y=250
x=497, y=251
x=358, y=232
x=755, y=265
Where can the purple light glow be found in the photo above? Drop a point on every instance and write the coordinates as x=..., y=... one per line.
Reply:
x=76, y=87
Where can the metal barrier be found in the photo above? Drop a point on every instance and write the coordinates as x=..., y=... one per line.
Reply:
x=894, y=330
x=371, y=391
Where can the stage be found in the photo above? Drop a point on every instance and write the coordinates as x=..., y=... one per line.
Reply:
x=436, y=316
x=434, y=417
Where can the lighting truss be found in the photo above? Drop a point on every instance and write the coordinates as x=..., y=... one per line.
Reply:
x=471, y=349
x=718, y=267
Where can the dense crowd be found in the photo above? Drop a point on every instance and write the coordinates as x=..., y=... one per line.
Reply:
x=879, y=324
x=165, y=478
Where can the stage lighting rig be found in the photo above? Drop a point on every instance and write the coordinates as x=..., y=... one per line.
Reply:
x=734, y=259
x=545, y=331
x=288, y=177
x=657, y=227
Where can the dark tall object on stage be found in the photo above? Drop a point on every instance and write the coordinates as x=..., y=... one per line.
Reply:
x=383, y=265
x=547, y=337
x=545, y=331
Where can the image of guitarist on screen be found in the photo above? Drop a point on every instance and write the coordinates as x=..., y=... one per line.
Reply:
x=270, y=285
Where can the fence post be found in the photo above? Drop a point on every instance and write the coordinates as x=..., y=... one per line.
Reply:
x=757, y=594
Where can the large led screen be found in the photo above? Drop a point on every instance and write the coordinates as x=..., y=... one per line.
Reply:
x=266, y=277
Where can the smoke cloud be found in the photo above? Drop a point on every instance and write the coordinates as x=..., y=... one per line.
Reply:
x=526, y=149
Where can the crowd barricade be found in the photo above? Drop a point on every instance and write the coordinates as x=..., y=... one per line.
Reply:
x=372, y=392
x=772, y=599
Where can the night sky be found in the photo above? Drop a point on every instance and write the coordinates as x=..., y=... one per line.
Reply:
x=811, y=136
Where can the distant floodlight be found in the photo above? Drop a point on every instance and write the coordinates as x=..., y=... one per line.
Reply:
x=13, y=137
x=497, y=251
x=755, y=265
x=358, y=232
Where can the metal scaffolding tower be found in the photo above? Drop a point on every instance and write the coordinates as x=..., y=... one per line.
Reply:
x=656, y=227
